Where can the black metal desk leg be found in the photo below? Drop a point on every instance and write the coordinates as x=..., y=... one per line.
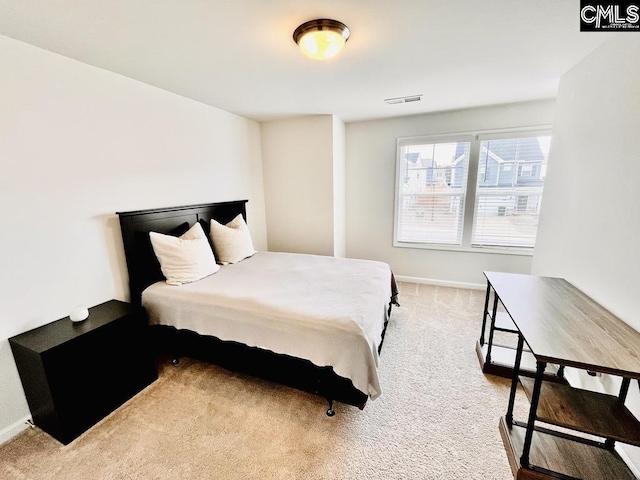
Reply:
x=484, y=313
x=514, y=381
x=493, y=324
x=610, y=443
x=535, y=396
x=624, y=389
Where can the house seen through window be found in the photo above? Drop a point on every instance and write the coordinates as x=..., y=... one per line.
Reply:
x=439, y=203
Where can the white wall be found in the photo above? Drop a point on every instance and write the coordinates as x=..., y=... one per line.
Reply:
x=297, y=158
x=590, y=221
x=371, y=163
x=339, y=188
x=78, y=144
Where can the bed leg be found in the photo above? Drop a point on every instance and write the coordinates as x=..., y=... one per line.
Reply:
x=330, y=411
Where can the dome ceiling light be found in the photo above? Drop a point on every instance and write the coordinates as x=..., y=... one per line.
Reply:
x=321, y=39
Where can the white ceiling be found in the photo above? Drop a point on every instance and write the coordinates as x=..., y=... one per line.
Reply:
x=239, y=55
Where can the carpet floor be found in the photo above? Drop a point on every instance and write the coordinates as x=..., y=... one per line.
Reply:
x=437, y=417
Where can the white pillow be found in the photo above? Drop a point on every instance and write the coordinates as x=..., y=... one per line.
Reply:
x=185, y=259
x=232, y=241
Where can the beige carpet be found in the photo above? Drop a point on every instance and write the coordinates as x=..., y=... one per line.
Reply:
x=437, y=417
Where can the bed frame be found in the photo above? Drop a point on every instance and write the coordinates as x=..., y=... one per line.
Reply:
x=144, y=270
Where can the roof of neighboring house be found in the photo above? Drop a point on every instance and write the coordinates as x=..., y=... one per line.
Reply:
x=416, y=159
x=527, y=149
x=412, y=157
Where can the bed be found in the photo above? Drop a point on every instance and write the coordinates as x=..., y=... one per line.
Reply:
x=311, y=322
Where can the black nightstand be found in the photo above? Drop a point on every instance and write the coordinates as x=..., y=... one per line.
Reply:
x=75, y=374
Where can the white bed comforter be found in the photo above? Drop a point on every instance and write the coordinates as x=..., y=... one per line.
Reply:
x=330, y=311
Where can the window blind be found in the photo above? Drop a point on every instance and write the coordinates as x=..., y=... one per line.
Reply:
x=432, y=184
x=511, y=173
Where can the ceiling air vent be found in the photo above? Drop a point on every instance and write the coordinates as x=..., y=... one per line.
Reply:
x=409, y=99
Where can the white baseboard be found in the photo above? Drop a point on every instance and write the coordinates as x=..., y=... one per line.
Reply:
x=441, y=283
x=627, y=460
x=14, y=429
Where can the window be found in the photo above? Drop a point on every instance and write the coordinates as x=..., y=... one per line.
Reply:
x=526, y=170
x=438, y=210
x=431, y=192
x=506, y=212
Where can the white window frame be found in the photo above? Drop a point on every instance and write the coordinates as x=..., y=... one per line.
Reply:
x=475, y=138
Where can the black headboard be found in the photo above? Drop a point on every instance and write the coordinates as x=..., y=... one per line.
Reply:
x=142, y=263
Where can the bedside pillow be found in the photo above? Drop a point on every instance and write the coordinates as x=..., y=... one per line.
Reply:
x=184, y=259
x=231, y=241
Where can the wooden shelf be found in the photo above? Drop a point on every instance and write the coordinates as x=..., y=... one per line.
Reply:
x=504, y=323
x=561, y=455
x=590, y=412
x=503, y=359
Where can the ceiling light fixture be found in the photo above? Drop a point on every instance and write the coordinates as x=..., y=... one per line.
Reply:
x=321, y=39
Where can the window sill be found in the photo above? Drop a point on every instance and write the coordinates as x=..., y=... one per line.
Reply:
x=523, y=252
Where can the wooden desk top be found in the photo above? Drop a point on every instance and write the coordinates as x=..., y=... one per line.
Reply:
x=563, y=325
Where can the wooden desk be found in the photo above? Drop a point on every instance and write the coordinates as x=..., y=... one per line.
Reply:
x=562, y=325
